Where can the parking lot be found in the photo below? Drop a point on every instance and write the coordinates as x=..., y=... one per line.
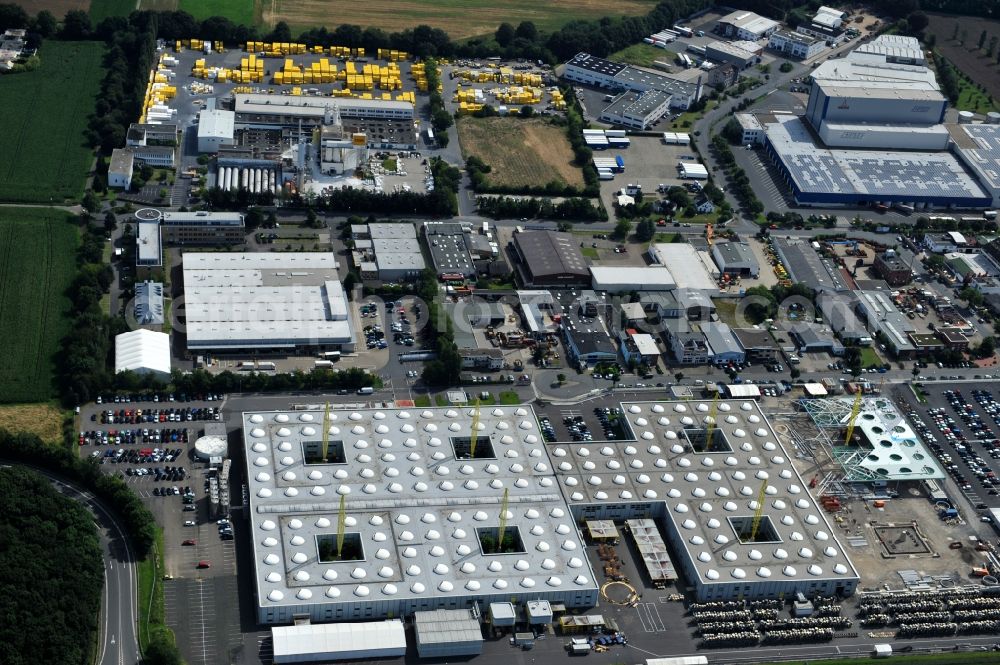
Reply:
x=150, y=445
x=960, y=424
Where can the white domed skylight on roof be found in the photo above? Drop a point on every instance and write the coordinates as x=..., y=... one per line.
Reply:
x=271, y=559
x=795, y=535
x=263, y=492
x=787, y=520
x=729, y=506
x=729, y=555
x=301, y=576
x=275, y=596
x=721, y=539
x=362, y=591
x=273, y=577
x=739, y=475
x=688, y=524
x=712, y=574
x=299, y=557
x=738, y=573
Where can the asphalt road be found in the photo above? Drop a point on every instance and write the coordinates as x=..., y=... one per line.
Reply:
x=118, y=642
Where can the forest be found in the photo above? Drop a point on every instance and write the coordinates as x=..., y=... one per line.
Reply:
x=51, y=573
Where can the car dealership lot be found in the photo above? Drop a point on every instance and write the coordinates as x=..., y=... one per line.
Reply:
x=960, y=423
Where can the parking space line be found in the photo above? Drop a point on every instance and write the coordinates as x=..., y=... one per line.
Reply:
x=644, y=617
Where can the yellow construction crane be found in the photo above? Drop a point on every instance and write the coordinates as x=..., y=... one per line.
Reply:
x=713, y=413
x=503, y=519
x=855, y=410
x=475, y=431
x=326, y=431
x=757, y=514
x=341, y=525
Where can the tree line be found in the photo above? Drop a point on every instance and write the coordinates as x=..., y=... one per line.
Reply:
x=86, y=348
x=571, y=209
x=138, y=522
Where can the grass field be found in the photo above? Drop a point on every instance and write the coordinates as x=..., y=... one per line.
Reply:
x=520, y=152
x=57, y=7
x=459, y=18
x=237, y=11
x=967, y=57
x=101, y=9
x=957, y=658
x=36, y=267
x=43, y=420
x=869, y=358
x=44, y=115
x=641, y=54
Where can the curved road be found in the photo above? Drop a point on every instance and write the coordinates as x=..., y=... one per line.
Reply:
x=118, y=641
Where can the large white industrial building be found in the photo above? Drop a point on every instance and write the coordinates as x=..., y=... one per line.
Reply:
x=421, y=506
x=216, y=128
x=869, y=99
x=253, y=301
x=419, y=510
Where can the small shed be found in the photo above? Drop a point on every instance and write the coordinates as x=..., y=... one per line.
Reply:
x=814, y=389
x=539, y=612
x=446, y=633
x=502, y=614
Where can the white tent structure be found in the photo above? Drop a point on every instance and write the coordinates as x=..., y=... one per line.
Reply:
x=338, y=641
x=143, y=352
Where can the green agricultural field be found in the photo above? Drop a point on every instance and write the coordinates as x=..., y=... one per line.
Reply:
x=37, y=249
x=44, y=118
x=237, y=11
x=102, y=9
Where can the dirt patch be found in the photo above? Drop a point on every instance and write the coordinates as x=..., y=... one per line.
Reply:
x=520, y=152
x=43, y=420
x=966, y=56
x=459, y=18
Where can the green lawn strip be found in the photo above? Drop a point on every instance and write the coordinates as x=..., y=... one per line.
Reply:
x=509, y=398
x=152, y=615
x=869, y=358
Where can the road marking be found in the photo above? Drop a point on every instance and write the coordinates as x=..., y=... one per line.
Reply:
x=643, y=618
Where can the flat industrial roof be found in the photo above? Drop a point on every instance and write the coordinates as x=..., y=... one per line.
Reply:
x=235, y=299
x=122, y=160
x=148, y=244
x=705, y=492
x=311, y=106
x=749, y=21
x=216, y=123
x=416, y=506
x=642, y=278
x=637, y=104
x=867, y=173
x=385, y=231
x=881, y=313
x=685, y=265
x=806, y=266
x=982, y=151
